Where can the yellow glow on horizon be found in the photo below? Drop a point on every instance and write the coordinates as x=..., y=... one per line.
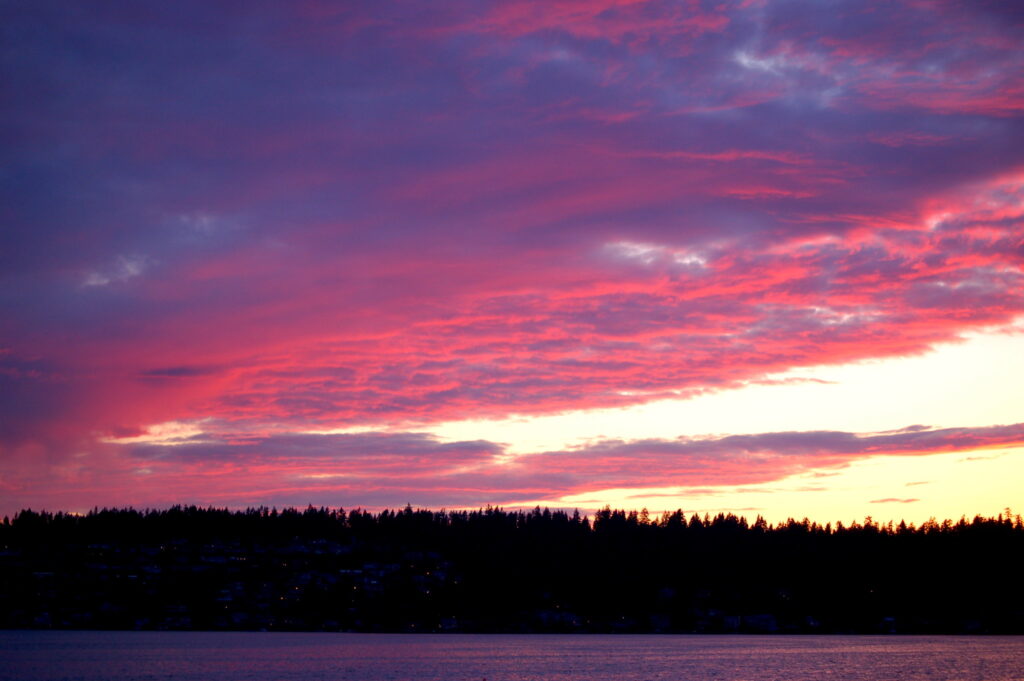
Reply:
x=940, y=485
x=976, y=382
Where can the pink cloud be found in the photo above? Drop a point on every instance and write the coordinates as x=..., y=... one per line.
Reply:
x=536, y=336
x=615, y=20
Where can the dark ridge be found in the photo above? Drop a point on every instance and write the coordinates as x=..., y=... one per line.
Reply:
x=493, y=570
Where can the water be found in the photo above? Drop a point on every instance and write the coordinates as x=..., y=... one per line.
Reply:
x=202, y=656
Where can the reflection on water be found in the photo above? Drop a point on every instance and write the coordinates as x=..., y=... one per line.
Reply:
x=123, y=656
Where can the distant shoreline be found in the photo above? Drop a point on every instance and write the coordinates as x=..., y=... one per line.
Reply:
x=498, y=572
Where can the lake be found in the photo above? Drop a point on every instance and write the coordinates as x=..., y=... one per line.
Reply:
x=231, y=656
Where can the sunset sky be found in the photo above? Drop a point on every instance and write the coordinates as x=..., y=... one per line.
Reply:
x=760, y=256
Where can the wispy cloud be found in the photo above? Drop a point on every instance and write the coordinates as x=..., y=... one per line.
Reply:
x=125, y=267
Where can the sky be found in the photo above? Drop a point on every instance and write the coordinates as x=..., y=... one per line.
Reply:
x=751, y=256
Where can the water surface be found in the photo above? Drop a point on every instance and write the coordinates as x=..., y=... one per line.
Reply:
x=231, y=656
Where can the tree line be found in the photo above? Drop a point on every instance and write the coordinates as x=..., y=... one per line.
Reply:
x=500, y=570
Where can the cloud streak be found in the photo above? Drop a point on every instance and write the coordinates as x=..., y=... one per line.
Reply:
x=378, y=469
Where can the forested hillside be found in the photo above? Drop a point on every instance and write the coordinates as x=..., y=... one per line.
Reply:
x=496, y=570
